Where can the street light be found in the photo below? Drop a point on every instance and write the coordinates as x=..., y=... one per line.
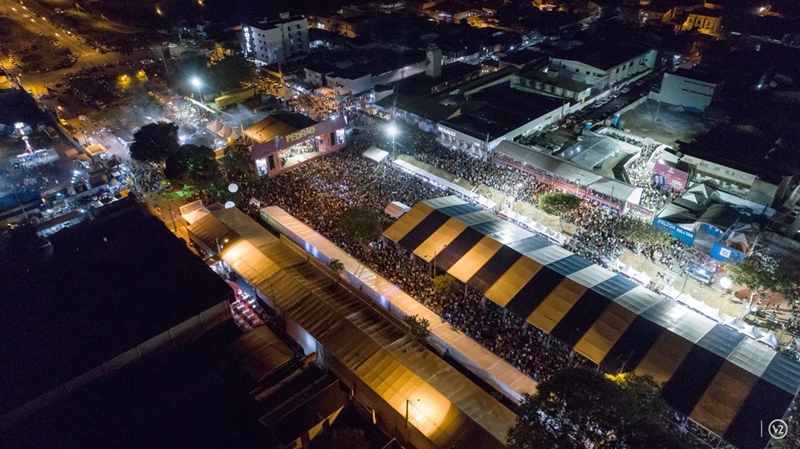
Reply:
x=197, y=84
x=392, y=130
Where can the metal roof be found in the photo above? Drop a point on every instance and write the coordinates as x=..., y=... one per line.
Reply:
x=450, y=410
x=712, y=373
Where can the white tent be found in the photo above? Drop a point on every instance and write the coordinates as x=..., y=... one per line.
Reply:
x=670, y=292
x=396, y=209
x=750, y=331
x=689, y=301
x=376, y=154
x=733, y=322
x=769, y=340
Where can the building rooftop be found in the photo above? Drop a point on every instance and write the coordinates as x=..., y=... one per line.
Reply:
x=109, y=285
x=279, y=124
x=422, y=84
x=420, y=106
x=699, y=75
x=522, y=57
x=603, y=55
x=498, y=110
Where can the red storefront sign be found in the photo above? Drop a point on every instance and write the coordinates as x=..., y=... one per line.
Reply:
x=262, y=150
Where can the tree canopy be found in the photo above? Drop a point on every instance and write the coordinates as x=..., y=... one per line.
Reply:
x=416, y=327
x=360, y=225
x=231, y=72
x=193, y=165
x=766, y=272
x=237, y=162
x=558, y=203
x=580, y=408
x=154, y=142
x=640, y=232
x=336, y=265
x=445, y=285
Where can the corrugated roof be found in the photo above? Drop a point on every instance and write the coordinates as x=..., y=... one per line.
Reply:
x=712, y=373
x=452, y=411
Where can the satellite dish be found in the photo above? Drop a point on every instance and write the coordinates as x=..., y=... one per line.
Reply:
x=230, y=204
x=233, y=187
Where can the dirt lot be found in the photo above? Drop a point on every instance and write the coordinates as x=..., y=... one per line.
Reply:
x=673, y=123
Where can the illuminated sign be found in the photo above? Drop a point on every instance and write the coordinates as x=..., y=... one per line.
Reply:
x=300, y=134
x=446, y=131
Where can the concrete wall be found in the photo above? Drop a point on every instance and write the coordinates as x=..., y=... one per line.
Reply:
x=682, y=91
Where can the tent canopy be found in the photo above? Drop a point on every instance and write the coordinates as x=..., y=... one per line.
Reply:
x=608, y=318
x=376, y=154
x=396, y=209
x=562, y=169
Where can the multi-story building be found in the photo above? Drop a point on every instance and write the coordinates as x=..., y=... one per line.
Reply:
x=603, y=65
x=705, y=21
x=268, y=42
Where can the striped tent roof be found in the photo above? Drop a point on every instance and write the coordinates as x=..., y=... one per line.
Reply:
x=719, y=377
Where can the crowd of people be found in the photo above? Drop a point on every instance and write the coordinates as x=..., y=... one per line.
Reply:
x=319, y=192
x=149, y=177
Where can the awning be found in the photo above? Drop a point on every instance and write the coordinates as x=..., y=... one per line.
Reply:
x=396, y=209
x=376, y=154
x=609, y=319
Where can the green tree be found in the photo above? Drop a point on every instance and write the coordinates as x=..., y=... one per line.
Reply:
x=154, y=142
x=580, y=408
x=558, y=204
x=640, y=232
x=344, y=438
x=237, y=162
x=193, y=165
x=445, y=285
x=336, y=265
x=231, y=72
x=417, y=328
x=760, y=272
x=360, y=225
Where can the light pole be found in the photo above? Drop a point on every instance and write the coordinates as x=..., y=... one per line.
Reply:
x=197, y=84
x=392, y=130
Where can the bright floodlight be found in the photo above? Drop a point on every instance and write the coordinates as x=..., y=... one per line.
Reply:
x=392, y=130
x=195, y=82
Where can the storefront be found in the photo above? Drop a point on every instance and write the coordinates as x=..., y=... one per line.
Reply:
x=297, y=146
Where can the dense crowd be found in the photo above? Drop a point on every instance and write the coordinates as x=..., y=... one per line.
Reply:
x=318, y=193
x=149, y=177
x=318, y=107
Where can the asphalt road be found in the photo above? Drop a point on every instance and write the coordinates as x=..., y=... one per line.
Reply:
x=33, y=17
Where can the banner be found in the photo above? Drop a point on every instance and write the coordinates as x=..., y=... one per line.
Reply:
x=684, y=235
x=726, y=253
x=670, y=177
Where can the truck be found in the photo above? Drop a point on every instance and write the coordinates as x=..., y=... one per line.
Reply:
x=235, y=97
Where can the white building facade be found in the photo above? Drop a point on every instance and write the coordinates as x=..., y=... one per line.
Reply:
x=604, y=77
x=275, y=41
x=687, y=91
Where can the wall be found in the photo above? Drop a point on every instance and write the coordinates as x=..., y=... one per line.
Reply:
x=682, y=91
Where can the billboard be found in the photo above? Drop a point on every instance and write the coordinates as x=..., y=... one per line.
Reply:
x=670, y=177
x=684, y=235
